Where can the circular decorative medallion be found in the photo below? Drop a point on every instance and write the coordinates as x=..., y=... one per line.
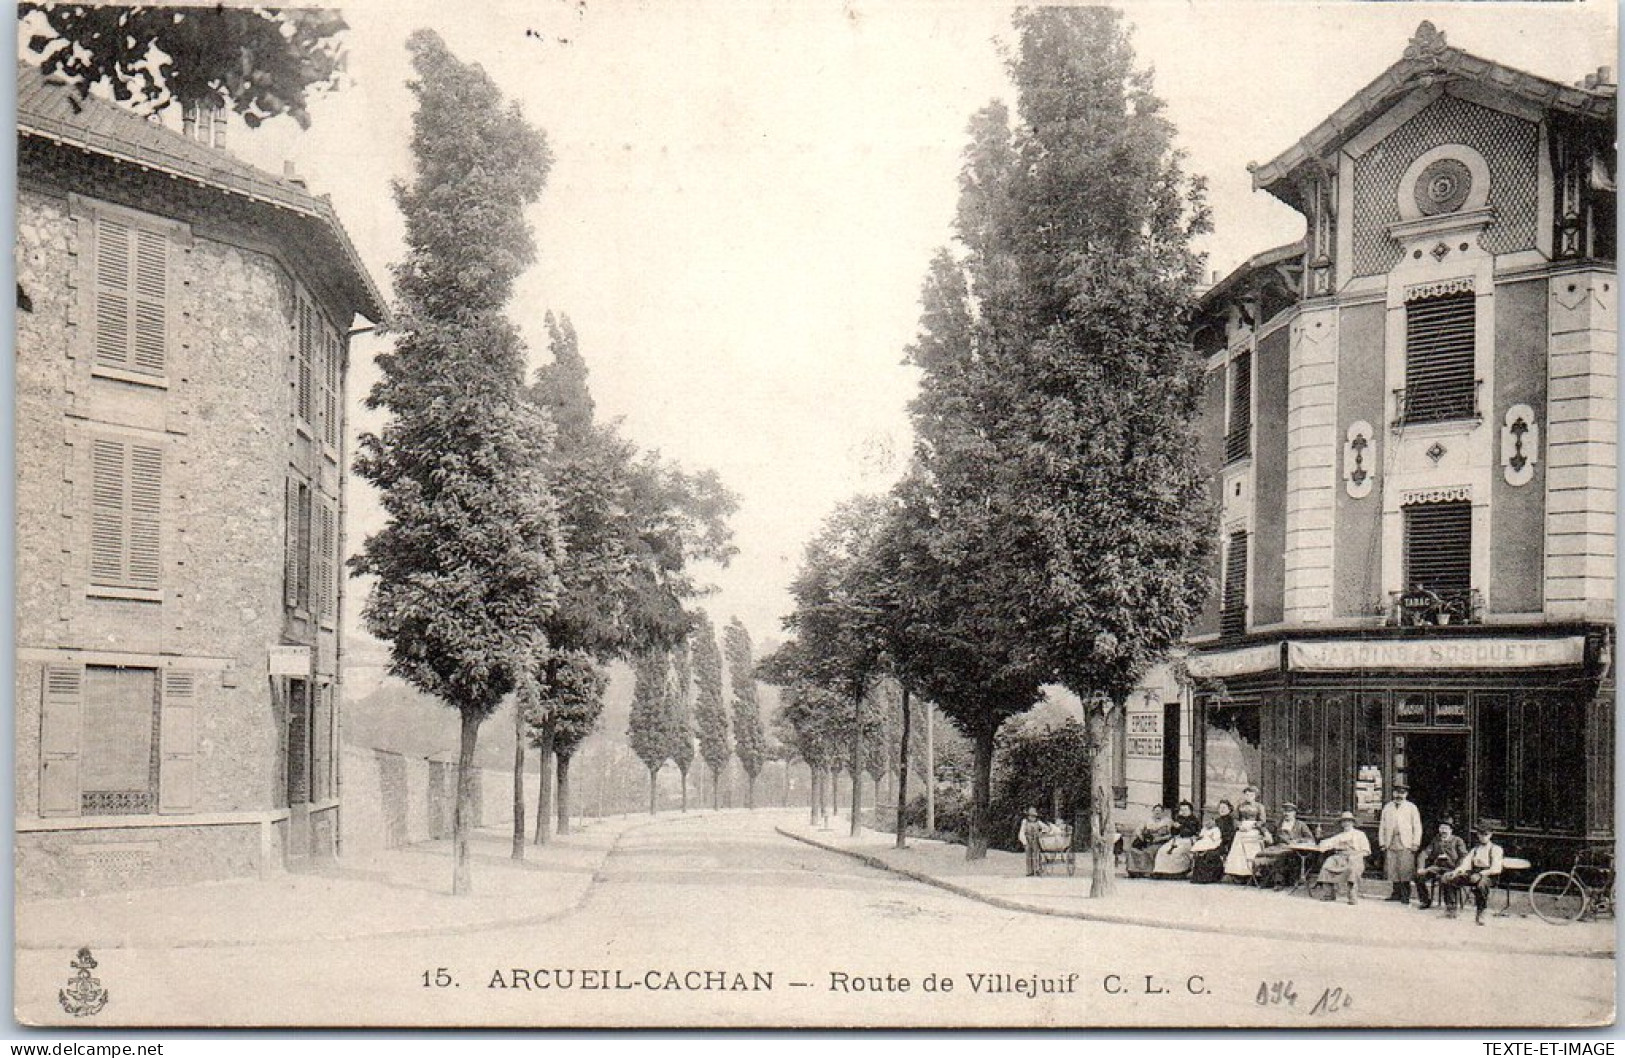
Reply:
x=1443, y=187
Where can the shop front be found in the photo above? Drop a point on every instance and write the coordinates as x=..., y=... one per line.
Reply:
x=1509, y=730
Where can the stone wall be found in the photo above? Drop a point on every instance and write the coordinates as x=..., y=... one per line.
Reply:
x=390, y=800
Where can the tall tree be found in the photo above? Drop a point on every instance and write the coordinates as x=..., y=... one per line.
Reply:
x=812, y=723
x=750, y=740
x=575, y=699
x=679, y=705
x=1106, y=387
x=260, y=62
x=634, y=527
x=649, y=724
x=710, y=712
x=466, y=562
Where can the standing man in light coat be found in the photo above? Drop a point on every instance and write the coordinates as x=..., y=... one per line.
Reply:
x=1399, y=834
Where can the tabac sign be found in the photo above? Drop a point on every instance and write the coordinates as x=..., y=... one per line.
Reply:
x=1436, y=654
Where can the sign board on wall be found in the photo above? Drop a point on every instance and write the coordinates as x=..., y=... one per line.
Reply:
x=1145, y=746
x=290, y=661
x=1145, y=723
x=1436, y=654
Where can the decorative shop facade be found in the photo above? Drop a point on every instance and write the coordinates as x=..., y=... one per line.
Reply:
x=1513, y=729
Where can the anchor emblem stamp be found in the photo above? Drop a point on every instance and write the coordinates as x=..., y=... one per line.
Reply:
x=84, y=994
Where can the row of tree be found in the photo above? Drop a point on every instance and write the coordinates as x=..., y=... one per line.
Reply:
x=527, y=545
x=1053, y=526
x=678, y=707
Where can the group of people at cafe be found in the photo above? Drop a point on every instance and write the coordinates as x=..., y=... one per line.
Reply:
x=1239, y=843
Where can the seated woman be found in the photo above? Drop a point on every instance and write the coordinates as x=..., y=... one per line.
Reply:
x=1173, y=859
x=1276, y=864
x=1207, y=856
x=1141, y=855
x=1249, y=841
x=1349, y=849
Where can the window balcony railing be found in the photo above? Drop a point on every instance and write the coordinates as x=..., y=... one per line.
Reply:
x=1421, y=606
x=1454, y=402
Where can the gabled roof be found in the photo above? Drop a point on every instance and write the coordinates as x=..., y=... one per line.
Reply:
x=1427, y=61
x=51, y=110
x=1238, y=277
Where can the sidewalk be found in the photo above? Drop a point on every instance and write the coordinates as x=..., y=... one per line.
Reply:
x=396, y=892
x=1001, y=880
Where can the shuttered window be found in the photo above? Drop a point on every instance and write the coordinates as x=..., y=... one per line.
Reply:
x=1440, y=382
x=132, y=291
x=1439, y=547
x=1238, y=439
x=1233, y=604
x=126, y=497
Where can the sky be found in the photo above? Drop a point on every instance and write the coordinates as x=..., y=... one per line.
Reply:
x=745, y=196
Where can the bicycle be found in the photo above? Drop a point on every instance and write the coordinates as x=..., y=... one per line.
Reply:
x=1585, y=891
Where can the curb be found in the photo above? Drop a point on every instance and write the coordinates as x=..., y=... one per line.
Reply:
x=484, y=926
x=1007, y=904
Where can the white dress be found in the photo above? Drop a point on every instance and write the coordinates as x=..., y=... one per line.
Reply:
x=1248, y=841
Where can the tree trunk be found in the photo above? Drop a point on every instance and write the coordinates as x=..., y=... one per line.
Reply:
x=857, y=774
x=930, y=772
x=981, y=794
x=1103, y=865
x=683, y=773
x=518, y=779
x=653, y=774
x=750, y=791
x=815, y=796
x=462, y=815
x=564, y=792
x=902, y=780
x=544, y=799
x=716, y=790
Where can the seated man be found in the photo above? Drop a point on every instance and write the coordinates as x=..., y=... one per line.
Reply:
x=1478, y=869
x=1349, y=849
x=1142, y=852
x=1276, y=864
x=1438, y=859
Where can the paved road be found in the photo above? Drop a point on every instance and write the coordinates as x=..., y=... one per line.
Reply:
x=712, y=919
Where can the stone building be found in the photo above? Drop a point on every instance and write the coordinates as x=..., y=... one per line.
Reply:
x=1411, y=418
x=183, y=323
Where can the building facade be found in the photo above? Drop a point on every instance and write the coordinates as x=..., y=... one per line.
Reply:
x=1411, y=418
x=183, y=324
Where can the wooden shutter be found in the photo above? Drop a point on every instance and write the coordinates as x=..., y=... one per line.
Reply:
x=1440, y=382
x=112, y=294
x=177, y=743
x=303, y=546
x=1233, y=608
x=1439, y=546
x=61, y=707
x=290, y=545
x=1238, y=439
x=302, y=394
x=151, y=297
x=332, y=417
x=126, y=498
x=132, y=297
x=326, y=545
x=108, y=472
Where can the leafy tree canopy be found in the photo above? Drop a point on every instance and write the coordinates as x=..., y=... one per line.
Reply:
x=259, y=62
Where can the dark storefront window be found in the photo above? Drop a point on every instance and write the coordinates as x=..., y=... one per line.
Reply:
x=1494, y=743
x=1305, y=755
x=1232, y=759
x=1551, y=771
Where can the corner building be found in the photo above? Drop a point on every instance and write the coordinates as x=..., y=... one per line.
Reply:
x=1411, y=419
x=183, y=324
